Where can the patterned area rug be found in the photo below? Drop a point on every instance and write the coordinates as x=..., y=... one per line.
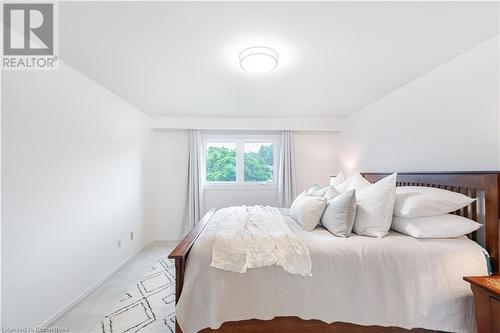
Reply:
x=149, y=307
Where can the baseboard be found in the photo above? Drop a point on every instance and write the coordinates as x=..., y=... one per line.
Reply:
x=67, y=307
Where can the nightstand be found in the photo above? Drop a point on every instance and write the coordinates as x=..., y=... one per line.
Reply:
x=486, y=291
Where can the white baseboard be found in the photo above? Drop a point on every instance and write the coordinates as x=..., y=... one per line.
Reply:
x=49, y=321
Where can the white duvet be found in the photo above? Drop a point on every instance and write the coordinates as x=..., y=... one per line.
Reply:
x=393, y=281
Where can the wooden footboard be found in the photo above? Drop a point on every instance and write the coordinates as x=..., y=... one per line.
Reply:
x=180, y=255
x=181, y=252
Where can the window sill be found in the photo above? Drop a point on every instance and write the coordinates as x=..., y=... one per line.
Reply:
x=240, y=186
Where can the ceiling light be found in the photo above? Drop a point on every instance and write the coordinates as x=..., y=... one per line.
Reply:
x=258, y=59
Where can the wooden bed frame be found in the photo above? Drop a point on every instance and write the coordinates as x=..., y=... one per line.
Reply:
x=485, y=186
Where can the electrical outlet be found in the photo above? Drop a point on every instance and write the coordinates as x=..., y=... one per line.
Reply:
x=131, y=235
x=119, y=244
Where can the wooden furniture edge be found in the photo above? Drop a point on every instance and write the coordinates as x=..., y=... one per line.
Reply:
x=181, y=251
x=298, y=325
x=486, y=299
x=477, y=282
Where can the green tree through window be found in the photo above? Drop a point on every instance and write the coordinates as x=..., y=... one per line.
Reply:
x=259, y=165
x=221, y=162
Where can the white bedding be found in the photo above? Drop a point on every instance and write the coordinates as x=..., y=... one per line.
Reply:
x=256, y=236
x=393, y=281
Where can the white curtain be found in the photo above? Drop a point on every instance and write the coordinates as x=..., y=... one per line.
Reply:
x=286, y=183
x=194, y=209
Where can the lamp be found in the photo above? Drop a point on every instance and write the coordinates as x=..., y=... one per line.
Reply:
x=258, y=59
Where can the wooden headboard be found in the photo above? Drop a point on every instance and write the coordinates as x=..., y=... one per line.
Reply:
x=484, y=186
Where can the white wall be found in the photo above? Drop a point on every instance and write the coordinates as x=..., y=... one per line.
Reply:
x=170, y=151
x=448, y=119
x=219, y=198
x=74, y=162
x=314, y=153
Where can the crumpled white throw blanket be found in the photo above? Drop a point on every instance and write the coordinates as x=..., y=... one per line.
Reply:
x=257, y=236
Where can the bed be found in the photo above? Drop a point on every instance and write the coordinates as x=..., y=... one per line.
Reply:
x=212, y=300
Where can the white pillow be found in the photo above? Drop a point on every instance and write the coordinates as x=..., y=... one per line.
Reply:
x=319, y=192
x=375, y=208
x=307, y=210
x=339, y=214
x=339, y=179
x=331, y=193
x=419, y=201
x=312, y=188
x=441, y=226
x=355, y=182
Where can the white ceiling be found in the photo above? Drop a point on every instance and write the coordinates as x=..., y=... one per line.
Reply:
x=181, y=58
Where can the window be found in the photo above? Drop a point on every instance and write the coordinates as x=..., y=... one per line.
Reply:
x=259, y=160
x=240, y=160
x=221, y=162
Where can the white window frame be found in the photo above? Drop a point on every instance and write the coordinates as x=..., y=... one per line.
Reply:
x=240, y=140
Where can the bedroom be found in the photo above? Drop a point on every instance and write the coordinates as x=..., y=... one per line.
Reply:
x=127, y=126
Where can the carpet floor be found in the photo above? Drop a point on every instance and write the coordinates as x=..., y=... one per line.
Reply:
x=148, y=307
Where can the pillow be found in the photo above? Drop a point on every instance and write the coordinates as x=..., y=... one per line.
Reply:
x=355, y=182
x=419, y=201
x=312, y=188
x=338, y=179
x=375, y=208
x=339, y=214
x=319, y=192
x=441, y=226
x=307, y=210
x=331, y=193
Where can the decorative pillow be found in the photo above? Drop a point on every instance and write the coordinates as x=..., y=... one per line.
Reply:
x=339, y=214
x=331, y=193
x=375, y=208
x=339, y=179
x=307, y=210
x=441, y=226
x=355, y=182
x=419, y=201
x=319, y=192
x=312, y=188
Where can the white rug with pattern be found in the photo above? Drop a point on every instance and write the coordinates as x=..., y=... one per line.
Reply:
x=149, y=307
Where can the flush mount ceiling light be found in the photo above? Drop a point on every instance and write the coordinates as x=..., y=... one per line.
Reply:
x=258, y=59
